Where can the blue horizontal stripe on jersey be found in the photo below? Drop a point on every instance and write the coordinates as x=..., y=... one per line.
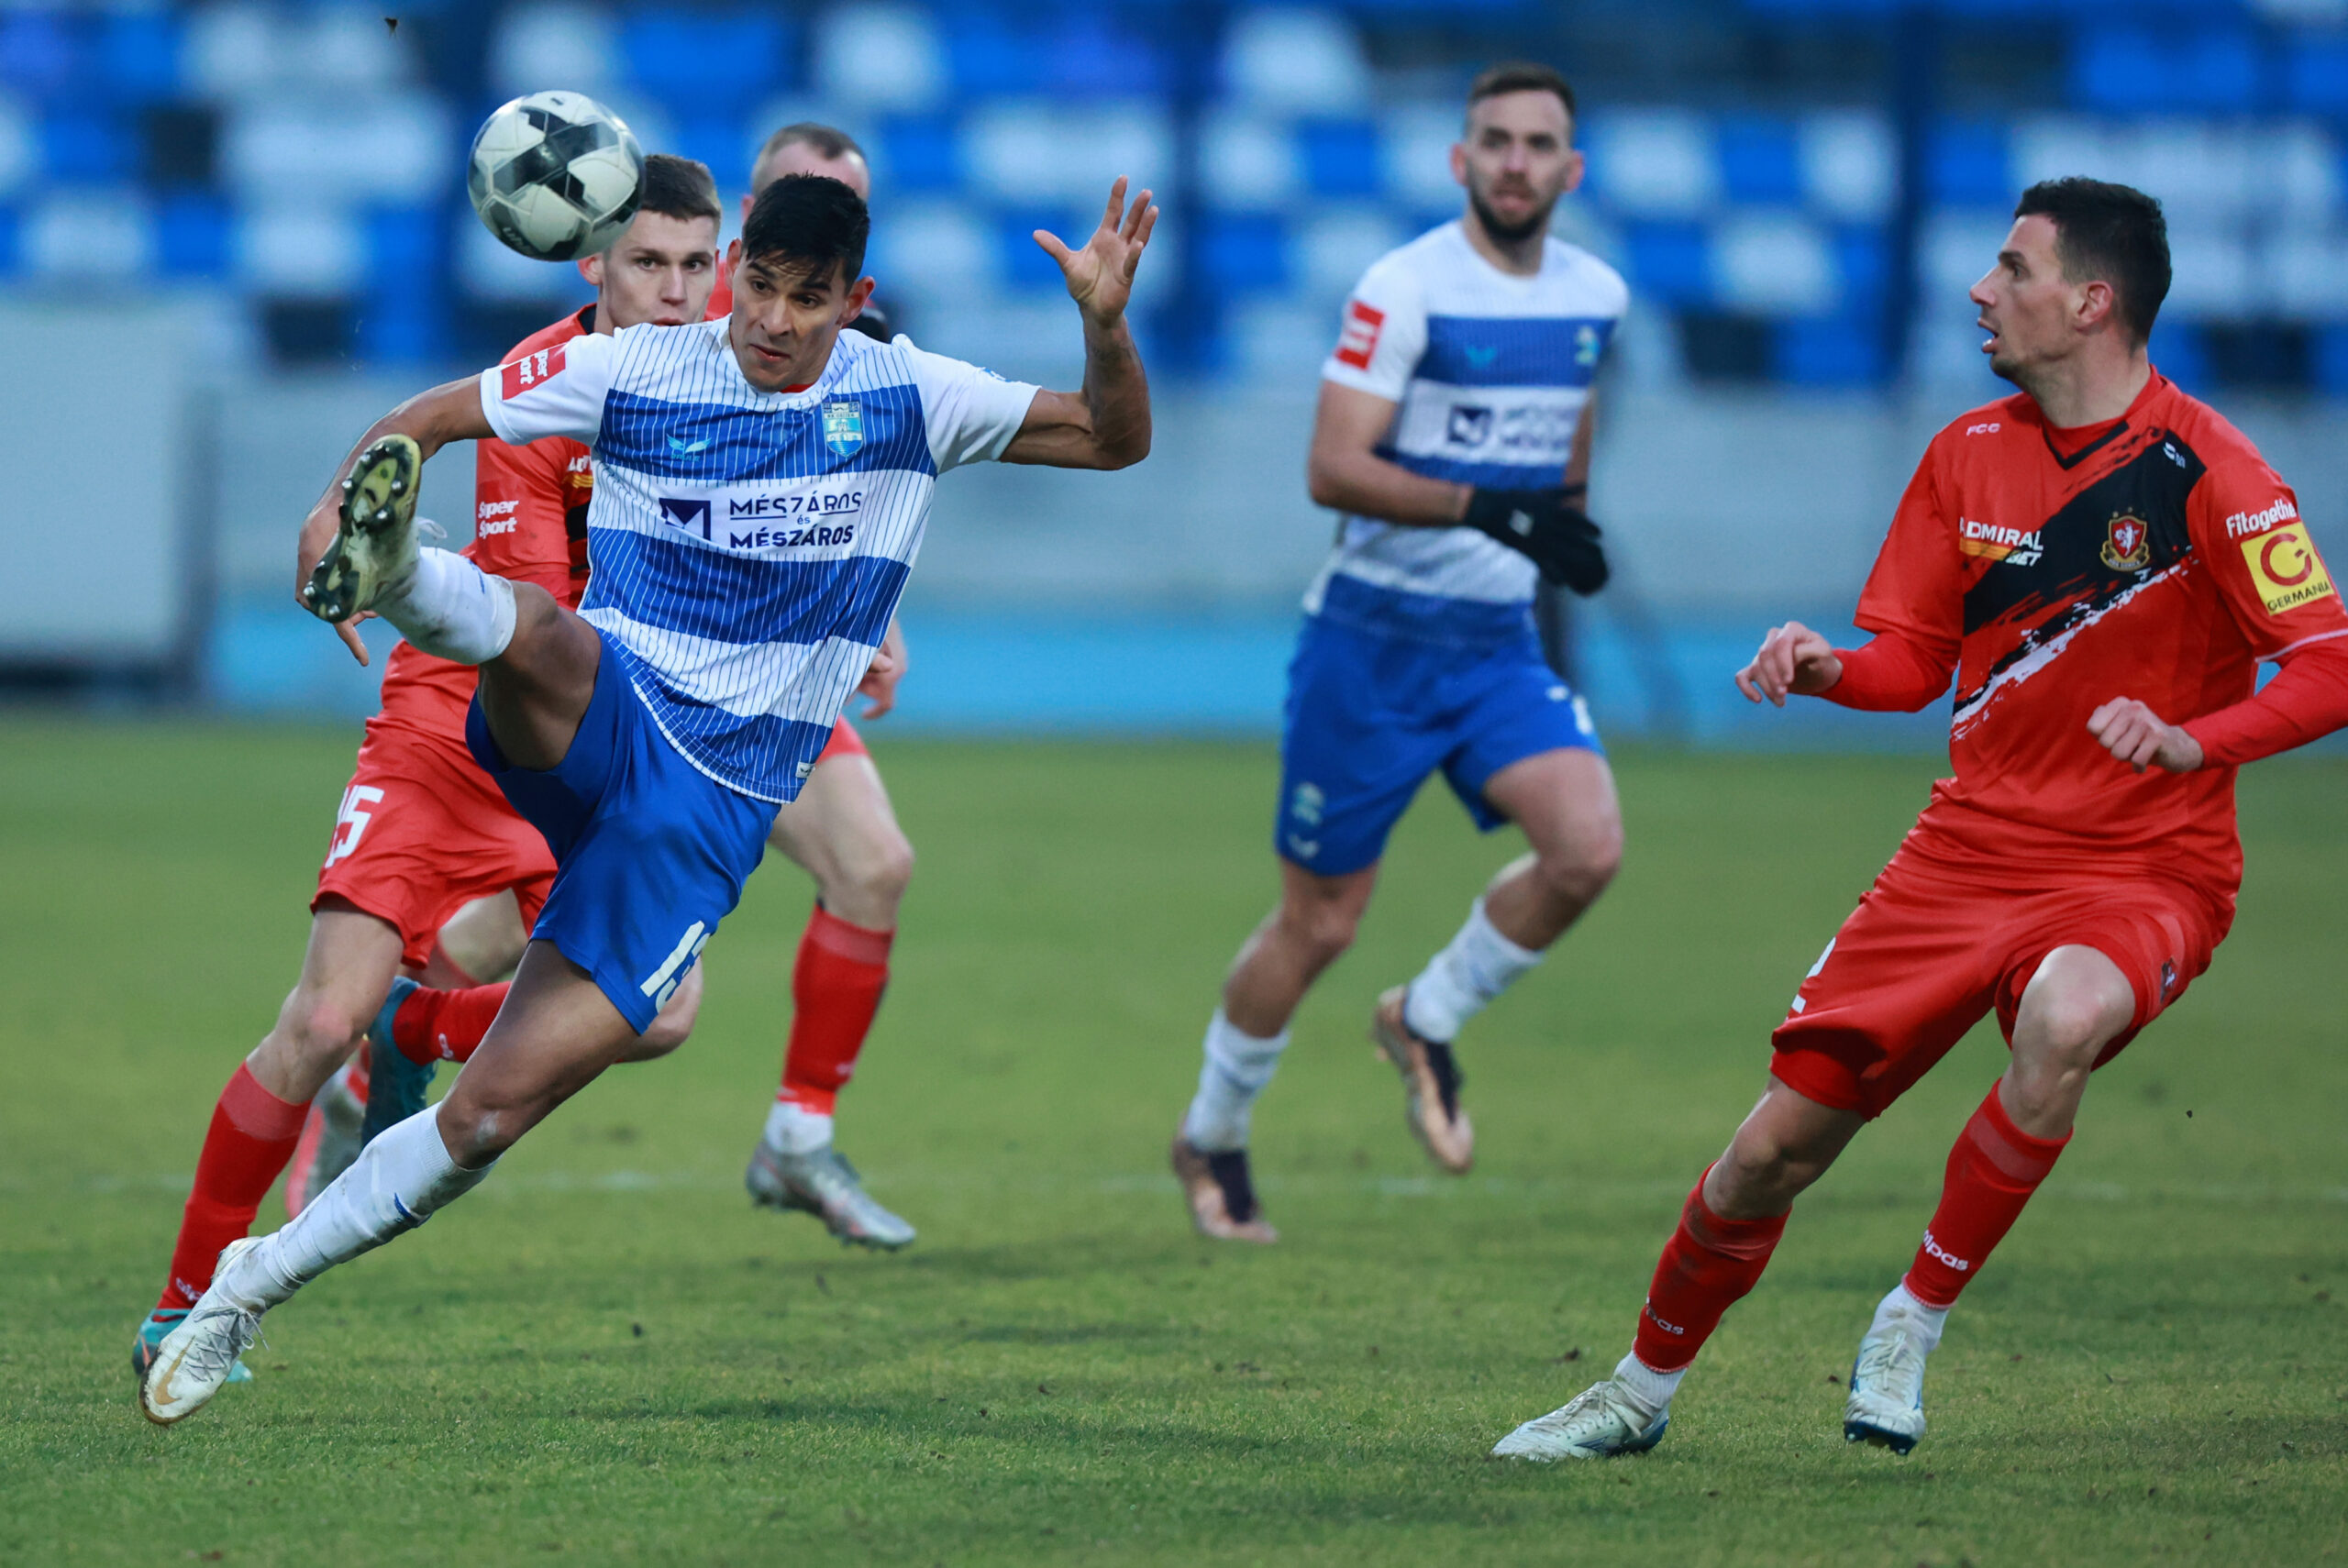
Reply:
x=1424, y=617
x=742, y=600
x=713, y=444
x=757, y=754
x=1485, y=476
x=1513, y=351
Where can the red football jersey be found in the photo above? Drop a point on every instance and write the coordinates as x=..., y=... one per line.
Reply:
x=2157, y=557
x=531, y=525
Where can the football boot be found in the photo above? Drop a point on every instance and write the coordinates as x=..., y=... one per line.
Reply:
x=823, y=1184
x=375, y=545
x=1221, y=1194
x=1430, y=1083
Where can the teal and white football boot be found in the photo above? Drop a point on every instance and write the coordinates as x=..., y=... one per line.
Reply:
x=1604, y=1420
x=395, y=1086
x=1887, y=1403
x=374, y=546
x=159, y=1323
x=826, y=1186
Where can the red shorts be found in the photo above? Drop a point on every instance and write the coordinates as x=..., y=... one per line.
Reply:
x=1935, y=945
x=421, y=833
x=844, y=742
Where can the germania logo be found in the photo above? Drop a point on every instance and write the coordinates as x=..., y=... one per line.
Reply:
x=1995, y=542
x=2246, y=522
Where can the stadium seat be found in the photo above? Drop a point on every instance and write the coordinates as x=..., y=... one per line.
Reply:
x=87, y=144
x=138, y=54
x=40, y=52
x=554, y=42
x=19, y=145
x=1340, y=157
x=195, y=236
x=103, y=232
x=1850, y=164
x=1025, y=151
x=2330, y=358
x=1245, y=253
x=1840, y=350
x=1966, y=163
x=1774, y=264
x=9, y=241
x=1655, y=163
x=919, y=152
x=2176, y=352
x=1760, y=160
x=706, y=62
x=1295, y=61
x=299, y=250
x=2315, y=74
x=880, y=57
x=1336, y=244
x=1669, y=262
x=1248, y=162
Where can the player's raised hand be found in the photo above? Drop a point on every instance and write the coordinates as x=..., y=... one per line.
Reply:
x=1100, y=276
x=2137, y=737
x=1793, y=658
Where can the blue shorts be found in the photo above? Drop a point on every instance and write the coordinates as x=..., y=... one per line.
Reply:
x=1369, y=717
x=649, y=852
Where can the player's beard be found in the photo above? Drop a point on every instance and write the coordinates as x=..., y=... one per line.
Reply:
x=1502, y=231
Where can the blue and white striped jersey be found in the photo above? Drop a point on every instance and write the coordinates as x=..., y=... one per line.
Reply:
x=1489, y=373
x=747, y=548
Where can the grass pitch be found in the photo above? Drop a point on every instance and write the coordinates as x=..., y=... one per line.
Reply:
x=607, y=1355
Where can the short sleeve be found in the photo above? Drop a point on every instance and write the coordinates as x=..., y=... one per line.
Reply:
x=2245, y=522
x=555, y=390
x=971, y=414
x=1917, y=588
x=1383, y=333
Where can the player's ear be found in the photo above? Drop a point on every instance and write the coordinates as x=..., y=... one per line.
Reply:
x=592, y=269
x=859, y=294
x=1576, y=167
x=2095, y=306
x=1459, y=162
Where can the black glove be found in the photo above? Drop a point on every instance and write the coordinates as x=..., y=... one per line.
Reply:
x=1557, y=537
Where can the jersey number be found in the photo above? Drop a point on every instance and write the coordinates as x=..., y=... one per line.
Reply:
x=351, y=821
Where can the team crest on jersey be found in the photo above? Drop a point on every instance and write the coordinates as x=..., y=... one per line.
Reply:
x=844, y=426
x=2127, y=543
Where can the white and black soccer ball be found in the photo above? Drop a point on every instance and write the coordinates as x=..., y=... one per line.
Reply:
x=555, y=176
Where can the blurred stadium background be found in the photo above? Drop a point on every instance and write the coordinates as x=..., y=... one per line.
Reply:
x=230, y=234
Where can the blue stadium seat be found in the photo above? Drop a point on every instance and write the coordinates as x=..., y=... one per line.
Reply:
x=8, y=246
x=708, y=62
x=194, y=235
x=86, y=145
x=40, y=52
x=989, y=57
x=719, y=140
x=2122, y=69
x=138, y=54
x=1842, y=351
x=1245, y=253
x=2216, y=68
x=1669, y=262
x=1862, y=256
x=1760, y=160
x=2331, y=360
x=2177, y=352
x=2315, y=74
x=1087, y=57
x=922, y=153
x=1966, y=165
x=1340, y=157
x=1024, y=263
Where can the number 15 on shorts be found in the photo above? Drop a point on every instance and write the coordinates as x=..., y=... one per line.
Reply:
x=352, y=821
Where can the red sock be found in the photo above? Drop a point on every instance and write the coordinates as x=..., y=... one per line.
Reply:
x=252, y=1135
x=835, y=990
x=1991, y=1173
x=1707, y=1266
x=445, y=1026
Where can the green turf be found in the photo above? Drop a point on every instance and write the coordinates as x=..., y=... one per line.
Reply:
x=607, y=1355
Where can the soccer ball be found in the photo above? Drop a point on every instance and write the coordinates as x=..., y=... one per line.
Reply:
x=555, y=176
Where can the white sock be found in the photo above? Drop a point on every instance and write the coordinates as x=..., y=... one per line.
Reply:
x=1903, y=1303
x=1237, y=1067
x=451, y=608
x=792, y=1128
x=396, y=1184
x=1649, y=1388
x=1464, y=978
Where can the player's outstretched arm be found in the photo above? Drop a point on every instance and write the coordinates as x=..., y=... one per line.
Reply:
x=1793, y=660
x=2137, y=737
x=1106, y=426
x=451, y=411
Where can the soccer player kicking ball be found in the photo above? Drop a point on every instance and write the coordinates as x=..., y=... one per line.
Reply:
x=2093, y=557
x=422, y=830
x=762, y=484
x=1454, y=438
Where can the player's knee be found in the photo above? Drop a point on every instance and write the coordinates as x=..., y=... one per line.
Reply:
x=321, y=1027
x=1323, y=929
x=2066, y=1022
x=1577, y=872
x=882, y=871
x=670, y=1030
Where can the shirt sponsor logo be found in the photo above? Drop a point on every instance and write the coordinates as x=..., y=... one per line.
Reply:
x=1358, y=341
x=1981, y=429
x=679, y=512
x=531, y=368
x=786, y=537
x=844, y=426
x=802, y=504
x=2127, y=543
x=1996, y=542
x=2285, y=569
x=497, y=517
x=2242, y=524
x=1471, y=425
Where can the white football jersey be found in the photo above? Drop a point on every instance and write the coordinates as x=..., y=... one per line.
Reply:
x=747, y=548
x=1489, y=371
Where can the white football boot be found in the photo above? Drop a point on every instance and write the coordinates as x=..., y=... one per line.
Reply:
x=375, y=545
x=198, y=1356
x=1603, y=1419
x=1887, y=1403
x=822, y=1183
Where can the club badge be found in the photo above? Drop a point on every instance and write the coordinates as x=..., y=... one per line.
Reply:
x=844, y=426
x=2127, y=543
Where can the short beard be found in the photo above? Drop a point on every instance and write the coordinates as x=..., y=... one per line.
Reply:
x=1509, y=233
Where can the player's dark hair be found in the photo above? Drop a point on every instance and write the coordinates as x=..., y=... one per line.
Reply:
x=809, y=223
x=680, y=188
x=1521, y=76
x=829, y=141
x=2107, y=233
